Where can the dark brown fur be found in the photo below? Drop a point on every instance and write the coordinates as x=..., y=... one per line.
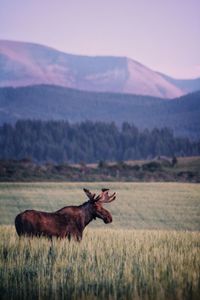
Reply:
x=69, y=221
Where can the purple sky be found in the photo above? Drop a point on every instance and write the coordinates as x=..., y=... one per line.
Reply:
x=161, y=34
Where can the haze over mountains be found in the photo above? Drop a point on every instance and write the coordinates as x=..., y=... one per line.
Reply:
x=24, y=64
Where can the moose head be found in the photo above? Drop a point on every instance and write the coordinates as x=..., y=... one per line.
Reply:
x=96, y=204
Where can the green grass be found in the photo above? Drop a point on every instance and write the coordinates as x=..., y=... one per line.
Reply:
x=107, y=264
x=138, y=205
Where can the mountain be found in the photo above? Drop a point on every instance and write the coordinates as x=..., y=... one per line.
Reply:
x=24, y=64
x=58, y=103
x=186, y=85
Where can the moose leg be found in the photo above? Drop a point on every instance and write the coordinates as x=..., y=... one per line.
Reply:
x=73, y=231
x=78, y=237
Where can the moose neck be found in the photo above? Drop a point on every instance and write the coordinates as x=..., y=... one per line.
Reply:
x=88, y=213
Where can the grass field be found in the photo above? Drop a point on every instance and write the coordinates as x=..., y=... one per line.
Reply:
x=138, y=205
x=107, y=264
x=151, y=251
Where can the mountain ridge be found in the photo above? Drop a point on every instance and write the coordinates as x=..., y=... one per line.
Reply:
x=24, y=64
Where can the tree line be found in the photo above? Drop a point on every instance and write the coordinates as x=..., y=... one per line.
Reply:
x=60, y=141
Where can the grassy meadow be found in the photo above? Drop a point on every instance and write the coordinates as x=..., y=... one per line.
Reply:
x=150, y=251
x=138, y=205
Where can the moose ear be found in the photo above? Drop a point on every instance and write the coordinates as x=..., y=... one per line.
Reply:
x=89, y=194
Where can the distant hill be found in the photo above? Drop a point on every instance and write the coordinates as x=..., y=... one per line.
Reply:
x=186, y=85
x=25, y=64
x=58, y=103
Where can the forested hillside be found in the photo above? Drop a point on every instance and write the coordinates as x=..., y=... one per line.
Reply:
x=57, y=103
x=60, y=141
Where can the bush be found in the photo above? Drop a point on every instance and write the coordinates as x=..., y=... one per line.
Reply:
x=152, y=166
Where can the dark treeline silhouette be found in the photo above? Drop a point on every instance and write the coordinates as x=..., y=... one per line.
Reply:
x=60, y=141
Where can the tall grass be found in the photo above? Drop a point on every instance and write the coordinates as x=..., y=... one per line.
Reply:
x=117, y=261
x=107, y=264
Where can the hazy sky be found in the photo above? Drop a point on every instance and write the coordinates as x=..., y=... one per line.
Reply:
x=161, y=34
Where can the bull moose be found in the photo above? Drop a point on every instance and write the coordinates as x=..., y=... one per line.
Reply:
x=68, y=221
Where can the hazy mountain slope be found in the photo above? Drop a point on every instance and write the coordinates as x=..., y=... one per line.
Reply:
x=57, y=103
x=25, y=64
x=186, y=85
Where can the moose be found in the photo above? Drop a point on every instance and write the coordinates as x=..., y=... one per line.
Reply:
x=67, y=222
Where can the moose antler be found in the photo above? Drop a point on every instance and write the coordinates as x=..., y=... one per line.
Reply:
x=103, y=197
x=89, y=194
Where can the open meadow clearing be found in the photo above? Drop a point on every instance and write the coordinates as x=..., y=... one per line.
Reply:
x=150, y=251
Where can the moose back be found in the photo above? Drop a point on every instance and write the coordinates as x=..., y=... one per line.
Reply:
x=68, y=221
